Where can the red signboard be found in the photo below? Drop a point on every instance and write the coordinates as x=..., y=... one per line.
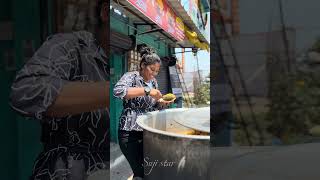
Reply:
x=160, y=13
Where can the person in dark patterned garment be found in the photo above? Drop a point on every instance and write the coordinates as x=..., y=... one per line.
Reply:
x=65, y=86
x=140, y=94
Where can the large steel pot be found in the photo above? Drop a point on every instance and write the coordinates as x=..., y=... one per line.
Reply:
x=168, y=152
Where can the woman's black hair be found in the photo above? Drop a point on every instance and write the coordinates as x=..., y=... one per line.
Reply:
x=148, y=55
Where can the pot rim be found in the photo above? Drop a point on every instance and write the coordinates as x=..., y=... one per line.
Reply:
x=141, y=118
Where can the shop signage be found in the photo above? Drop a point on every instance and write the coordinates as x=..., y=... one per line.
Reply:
x=199, y=18
x=175, y=81
x=160, y=13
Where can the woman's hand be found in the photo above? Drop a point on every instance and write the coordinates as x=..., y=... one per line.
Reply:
x=164, y=104
x=156, y=94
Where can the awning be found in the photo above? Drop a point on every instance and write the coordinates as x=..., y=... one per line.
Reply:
x=155, y=14
x=193, y=38
x=178, y=8
x=180, y=39
x=120, y=42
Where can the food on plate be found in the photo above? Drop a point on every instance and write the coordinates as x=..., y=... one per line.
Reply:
x=169, y=97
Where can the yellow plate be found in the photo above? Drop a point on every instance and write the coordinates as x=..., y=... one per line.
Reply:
x=162, y=100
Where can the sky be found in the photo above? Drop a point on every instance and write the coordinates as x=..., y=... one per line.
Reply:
x=261, y=16
x=191, y=62
x=203, y=57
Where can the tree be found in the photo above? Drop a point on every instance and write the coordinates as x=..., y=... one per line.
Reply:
x=202, y=93
x=294, y=105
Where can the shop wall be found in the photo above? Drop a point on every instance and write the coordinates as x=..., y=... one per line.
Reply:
x=20, y=137
x=8, y=124
x=27, y=33
x=119, y=24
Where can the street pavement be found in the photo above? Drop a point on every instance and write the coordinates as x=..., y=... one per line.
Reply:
x=292, y=162
x=119, y=166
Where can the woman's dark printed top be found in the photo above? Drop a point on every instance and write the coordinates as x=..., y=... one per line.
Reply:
x=82, y=140
x=135, y=106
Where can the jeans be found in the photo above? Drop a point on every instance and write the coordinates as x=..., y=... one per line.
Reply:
x=131, y=145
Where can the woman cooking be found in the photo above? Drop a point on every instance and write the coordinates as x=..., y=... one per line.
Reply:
x=140, y=94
